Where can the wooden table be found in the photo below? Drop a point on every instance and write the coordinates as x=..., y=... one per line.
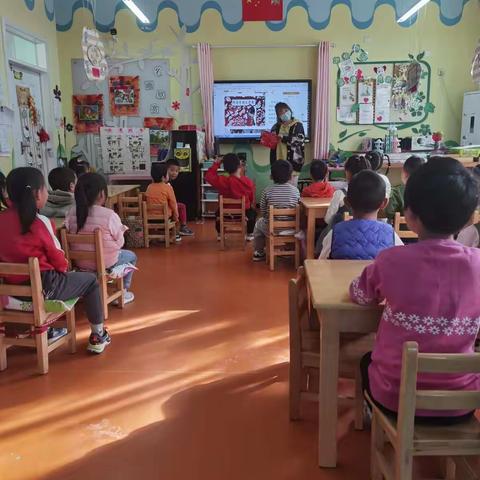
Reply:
x=115, y=192
x=314, y=208
x=329, y=282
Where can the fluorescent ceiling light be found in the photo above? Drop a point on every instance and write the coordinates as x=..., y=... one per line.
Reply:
x=411, y=12
x=136, y=11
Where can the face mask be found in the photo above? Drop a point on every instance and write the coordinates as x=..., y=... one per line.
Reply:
x=286, y=117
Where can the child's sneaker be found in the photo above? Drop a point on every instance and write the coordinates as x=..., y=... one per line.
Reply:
x=128, y=297
x=249, y=237
x=178, y=238
x=185, y=231
x=97, y=343
x=258, y=256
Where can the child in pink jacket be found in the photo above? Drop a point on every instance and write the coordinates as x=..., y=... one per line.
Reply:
x=430, y=288
x=89, y=214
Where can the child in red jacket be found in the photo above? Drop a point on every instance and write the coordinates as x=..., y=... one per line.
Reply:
x=236, y=185
x=320, y=188
x=27, y=234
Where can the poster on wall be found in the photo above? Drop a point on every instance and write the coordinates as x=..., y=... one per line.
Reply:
x=137, y=144
x=96, y=66
x=365, y=114
x=125, y=150
x=113, y=150
x=382, y=103
x=159, y=136
x=124, y=96
x=262, y=10
x=87, y=113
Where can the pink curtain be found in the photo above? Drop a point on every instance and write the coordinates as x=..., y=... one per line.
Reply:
x=205, y=64
x=321, y=140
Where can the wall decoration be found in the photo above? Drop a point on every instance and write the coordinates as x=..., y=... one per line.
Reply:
x=158, y=123
x=125, y=150
x=476, y=65
x=96, y=65
x=154, y=109
x=82, y=86
x=159, y=135
x=149, y=85
x=184, y=158
x=190, y=13
x=262, y=10
x=389, y=90
x=88, y=113
x=125, y=96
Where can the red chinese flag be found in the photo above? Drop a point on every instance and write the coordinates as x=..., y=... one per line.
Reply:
x=262, y=10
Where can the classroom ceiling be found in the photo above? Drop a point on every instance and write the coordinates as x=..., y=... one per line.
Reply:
x=190, y=11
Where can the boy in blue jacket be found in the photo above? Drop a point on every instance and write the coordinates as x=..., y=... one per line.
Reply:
x=365, y=236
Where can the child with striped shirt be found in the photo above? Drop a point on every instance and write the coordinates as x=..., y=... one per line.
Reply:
x=282, y=194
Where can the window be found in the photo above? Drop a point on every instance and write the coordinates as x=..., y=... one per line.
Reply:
x=24, y=49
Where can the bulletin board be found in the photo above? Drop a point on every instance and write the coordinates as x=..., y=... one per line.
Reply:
x=154, y=87
x=376, y=93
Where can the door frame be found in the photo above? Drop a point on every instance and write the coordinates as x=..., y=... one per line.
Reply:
x=47, y=104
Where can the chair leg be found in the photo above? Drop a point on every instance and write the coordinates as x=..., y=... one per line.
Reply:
x=222, y=236
x=295, y=384
x=3, y=353
x=271, y=247
x=377, y=445
x=41, y=342
x=104, y=295
x=72, y=343
x=297, y=254
x=359, y=402
x=167, y=235
x=120, y=288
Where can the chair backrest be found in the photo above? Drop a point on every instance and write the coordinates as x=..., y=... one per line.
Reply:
x=399, y=225
x=130, y=206
x=71, y=242
x=284, y=219
x=412, y=399
x=231, y=206
x=154, y=212
x=33, y=291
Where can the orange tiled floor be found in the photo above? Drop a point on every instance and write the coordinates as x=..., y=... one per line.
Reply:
x=194, y=385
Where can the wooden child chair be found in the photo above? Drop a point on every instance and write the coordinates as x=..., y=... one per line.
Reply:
x=233, y=220
x=37, y=319
x=157, y=224
x=305, y=353
x=454, y=442
x=401, y=228
x=110, y=289
x=284, y=223
x=130, y=211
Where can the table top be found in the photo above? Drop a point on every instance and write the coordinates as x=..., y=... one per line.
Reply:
x=309, y=202
x=329, y=282
x=114, y=190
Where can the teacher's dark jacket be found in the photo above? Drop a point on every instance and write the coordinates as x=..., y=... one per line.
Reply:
x=295, y=146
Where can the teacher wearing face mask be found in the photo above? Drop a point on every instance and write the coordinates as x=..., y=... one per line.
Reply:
x=291, y=146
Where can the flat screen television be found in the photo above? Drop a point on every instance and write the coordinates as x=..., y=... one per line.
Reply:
x=243, y=109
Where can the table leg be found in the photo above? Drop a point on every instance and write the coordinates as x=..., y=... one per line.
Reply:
x=310, y=233
x=328, y=395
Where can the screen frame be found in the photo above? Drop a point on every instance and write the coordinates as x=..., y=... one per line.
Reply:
x=257, y=139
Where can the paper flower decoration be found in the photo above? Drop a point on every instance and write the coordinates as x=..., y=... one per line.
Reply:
x=176, y=105
x=437, y=136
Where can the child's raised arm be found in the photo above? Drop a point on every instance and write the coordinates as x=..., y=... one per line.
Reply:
x=366, y=289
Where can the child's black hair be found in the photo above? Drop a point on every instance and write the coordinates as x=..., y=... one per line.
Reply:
x=159, y=171
x=442, y=194
x=412, y=163
x=366, y=192
x=173, y=162
x=357, y=163
x=318, y=170
x=231, y=163
x=61, y=178
x=22, y=185
x=375, y=158
x=89, y=187
x=281, y=171
x=476, y=172
x=79, y=166
x=3, y=192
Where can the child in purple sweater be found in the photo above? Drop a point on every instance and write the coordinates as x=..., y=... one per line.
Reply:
x=430, y=288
